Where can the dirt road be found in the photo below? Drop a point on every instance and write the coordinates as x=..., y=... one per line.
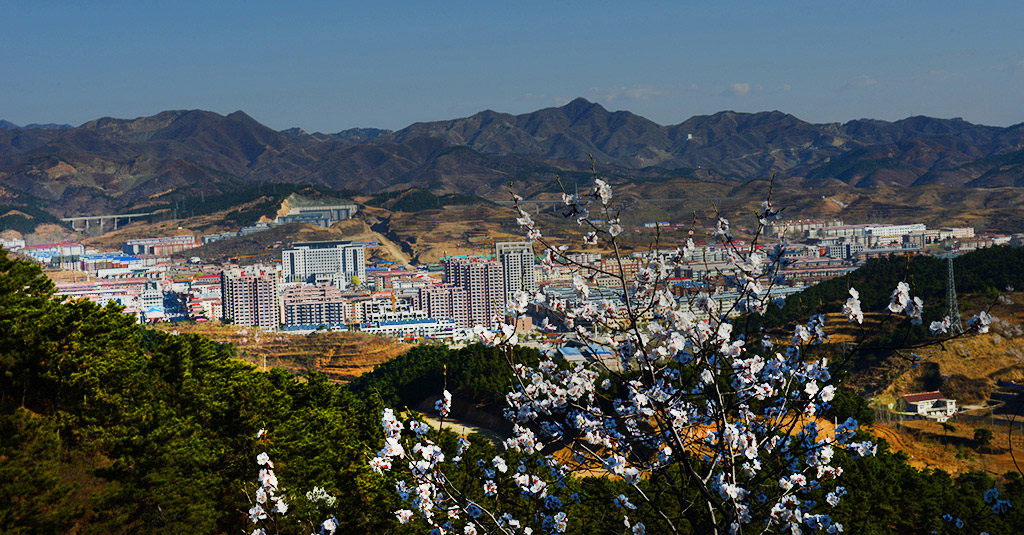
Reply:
x=394, y=250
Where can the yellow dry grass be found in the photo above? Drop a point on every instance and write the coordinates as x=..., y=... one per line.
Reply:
x=928, y=445
x=968, y=369
x=341, y=355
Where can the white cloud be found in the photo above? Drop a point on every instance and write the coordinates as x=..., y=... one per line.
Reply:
x=634, y=93
x=1016, y=66
x=556, y=100
x=859, y=82
x=738, y=89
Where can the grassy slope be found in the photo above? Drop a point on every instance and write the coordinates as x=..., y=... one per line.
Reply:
x=342, y=356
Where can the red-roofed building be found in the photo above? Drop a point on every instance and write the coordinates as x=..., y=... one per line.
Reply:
x=931, y=405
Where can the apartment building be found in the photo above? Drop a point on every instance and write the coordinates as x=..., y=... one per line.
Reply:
x=250, y=296
x=445, y=301
x=314, y=306
x=481, y=278
x=306, y=261
x=160, y=246
x=518, y=266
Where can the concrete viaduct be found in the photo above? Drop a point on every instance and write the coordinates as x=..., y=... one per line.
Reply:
x=101, y=219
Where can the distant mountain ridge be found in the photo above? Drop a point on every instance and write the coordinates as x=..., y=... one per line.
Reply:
x=7, y=125
x=112, y=163
x=749, y=144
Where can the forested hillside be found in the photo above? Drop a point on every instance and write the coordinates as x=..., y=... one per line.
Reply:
x=111, y=428
x=107, y=427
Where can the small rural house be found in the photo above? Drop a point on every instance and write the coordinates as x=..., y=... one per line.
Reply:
x=931, y=405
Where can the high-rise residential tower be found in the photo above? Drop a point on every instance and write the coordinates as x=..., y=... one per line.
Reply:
x=518, y=266
x=445, y=301
x=481, y=279
x=250, y=296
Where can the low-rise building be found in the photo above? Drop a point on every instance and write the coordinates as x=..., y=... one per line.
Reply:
x=930, y=405
x=798, y=226
x=314, y=212
x=204, y=308
x=162, y=246
x=956, y=233
x=94, y=263
x=61, y=254
x=12, y=244
x=410, y=328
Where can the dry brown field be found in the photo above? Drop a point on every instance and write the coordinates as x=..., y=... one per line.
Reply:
x=342, y=356
x=929, y=445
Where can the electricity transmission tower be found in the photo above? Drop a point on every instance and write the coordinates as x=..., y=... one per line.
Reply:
x=956, y=325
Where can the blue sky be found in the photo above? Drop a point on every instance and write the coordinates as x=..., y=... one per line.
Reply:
x=335, y=65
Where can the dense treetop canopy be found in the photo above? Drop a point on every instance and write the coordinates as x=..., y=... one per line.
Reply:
x=108, y=427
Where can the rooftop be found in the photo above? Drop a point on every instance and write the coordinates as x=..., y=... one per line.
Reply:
x=923, y=396
x=52, y=245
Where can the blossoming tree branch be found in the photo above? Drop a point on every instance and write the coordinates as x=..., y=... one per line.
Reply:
x=702, y=426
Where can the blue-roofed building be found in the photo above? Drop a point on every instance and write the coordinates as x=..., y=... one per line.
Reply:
x=95, y=262
x=571, y=355
x=603, y=356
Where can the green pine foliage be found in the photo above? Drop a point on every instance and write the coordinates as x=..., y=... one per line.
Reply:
x=107, y=427
x=983, y=272
x=34, y=497
x=112, y=428
x=476, y=373
x=23, y=219
x=418, y=200
x=886, y=495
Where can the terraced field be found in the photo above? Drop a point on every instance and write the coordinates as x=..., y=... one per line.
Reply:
x=342, y=356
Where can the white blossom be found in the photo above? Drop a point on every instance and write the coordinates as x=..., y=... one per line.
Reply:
x=602, y=191
x=940, y=327
x=852, y=307
x=691, y=387
x=444, y=405
x=981, y=322
x=403, y=516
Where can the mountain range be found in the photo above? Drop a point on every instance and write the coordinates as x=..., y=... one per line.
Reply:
x=7, y=125
x=113, y=164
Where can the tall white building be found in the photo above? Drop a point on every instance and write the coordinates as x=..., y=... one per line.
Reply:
x=308, y=260
x=518, y=266
x=250, y=297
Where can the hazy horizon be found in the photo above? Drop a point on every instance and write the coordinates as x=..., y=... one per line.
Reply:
x=391, y=65
x=610, y=109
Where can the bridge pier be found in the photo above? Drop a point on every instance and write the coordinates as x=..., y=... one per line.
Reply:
x=87, y=220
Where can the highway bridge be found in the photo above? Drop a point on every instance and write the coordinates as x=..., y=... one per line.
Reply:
x=86, y=219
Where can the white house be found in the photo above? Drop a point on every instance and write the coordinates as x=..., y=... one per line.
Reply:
x=931, y=405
